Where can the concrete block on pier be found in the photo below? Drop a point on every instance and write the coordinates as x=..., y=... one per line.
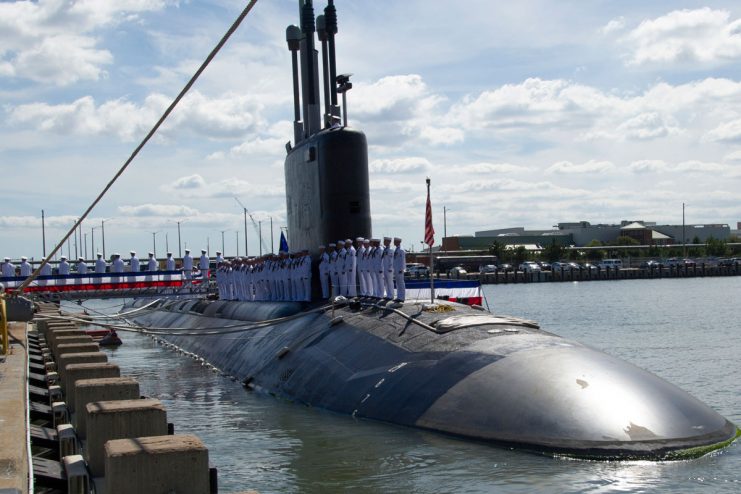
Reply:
x=76, y=348
x=121, y=419
x=68, y=340
x=104, y=389
x=55, y=333
x=66, y=359
x=156, y=464
x=75, y=372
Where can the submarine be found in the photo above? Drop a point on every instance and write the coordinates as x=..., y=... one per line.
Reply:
x=444, y=367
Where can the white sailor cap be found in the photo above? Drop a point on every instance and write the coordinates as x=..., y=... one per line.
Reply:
x=217, y=252
x=7, y=259
x=375, y=240
x=63, y=258
x=133, y=252
x=331, y=244
x=80, y=258
x=43, y=258
x=187, y=250
x=348, y=241
x=397, y=239
x=340, y=242
x=150, y=253
x=116, y=254
x=24, y=258
x=99, y=254
x=366, y=241
x=169, y=253
x=360, y=239
x=386, y=238
x=322, y=247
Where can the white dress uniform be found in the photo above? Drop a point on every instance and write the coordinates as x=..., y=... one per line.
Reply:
x=118, y=264
x=324, y=271
x=170, y=262
x=134, y=263
x=187, y=265
x=63, y=267
x=359, y=267
x=366, y=271
x=45, y=271
x=8, y=268
x=388, y=268
x=203, y=265
x=400, y=265
x=333, y=273
x=26, y=268
x=219, y=258
x=100, y=264
x=81, y=266
x=351, y=265
x=306, y=276
x=152, y=264
x=341, y=259
x=377, y=267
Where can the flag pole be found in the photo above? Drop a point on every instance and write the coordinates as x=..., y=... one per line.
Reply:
x=428, y=219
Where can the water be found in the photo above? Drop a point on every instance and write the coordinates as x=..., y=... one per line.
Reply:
x=685, y=330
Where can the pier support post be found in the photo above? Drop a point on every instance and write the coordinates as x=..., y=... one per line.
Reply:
x=120, y=419
x=75, y=372
x=66, y=359
x=156, y=464
x=103, y=389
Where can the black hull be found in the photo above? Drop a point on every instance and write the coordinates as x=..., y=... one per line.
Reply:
x=504, y=382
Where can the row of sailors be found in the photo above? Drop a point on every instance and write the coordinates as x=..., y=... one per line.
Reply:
x=8, y=269
x=368, y=271
x=285, y=277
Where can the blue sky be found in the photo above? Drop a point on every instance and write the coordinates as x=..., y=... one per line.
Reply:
x=522, y=113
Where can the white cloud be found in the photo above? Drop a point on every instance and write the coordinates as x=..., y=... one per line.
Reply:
x=502, y=168
x=228, y=116
x=725, y=132
x=51, y=41
x=647, y=166
x=591, y=166
x=649, y=125
x=733, y=157
x=441, y=135
x=169, y=210
x=195, y=186
x=686, y=36
x=617, y=24
x=399, y=165
x=700, y=166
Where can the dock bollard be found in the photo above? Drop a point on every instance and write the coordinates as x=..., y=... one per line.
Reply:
x=69, y=340
x=66, y=359
x=157, y=464
x=101, y=389
x=121, y=419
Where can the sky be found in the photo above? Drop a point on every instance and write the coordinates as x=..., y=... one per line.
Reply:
x=521, y=113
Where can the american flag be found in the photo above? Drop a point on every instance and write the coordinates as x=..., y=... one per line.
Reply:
x=429, y=229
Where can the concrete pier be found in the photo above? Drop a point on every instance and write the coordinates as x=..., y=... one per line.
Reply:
x=66, y=359
x=13, y=403
x=74, y=372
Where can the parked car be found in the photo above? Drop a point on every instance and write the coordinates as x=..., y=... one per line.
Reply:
x=651, y=264
x=457, y=272
x=505, y=268
x=529, y=267
x=610, y=263
x=590, y=267
x=561, y=266
x=487, y=268
x=417, y=270
x=728, y=262
x=544, y=266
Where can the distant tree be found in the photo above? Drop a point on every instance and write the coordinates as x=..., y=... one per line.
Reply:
x=625, y=240
x=496, y=249
x=520, y=254
x=553, y=252
x=653, y=251
x=596, y=253
x=716, y=247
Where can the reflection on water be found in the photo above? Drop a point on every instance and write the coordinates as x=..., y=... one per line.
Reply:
x=682, y=330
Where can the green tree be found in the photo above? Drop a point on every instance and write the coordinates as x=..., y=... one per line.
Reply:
x=625, y=240
x=716, y=247
x=596, y=253
x=520, y=254
x=553, y=252
x=496, y=249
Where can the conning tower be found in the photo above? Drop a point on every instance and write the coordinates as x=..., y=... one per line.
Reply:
x=326, y=169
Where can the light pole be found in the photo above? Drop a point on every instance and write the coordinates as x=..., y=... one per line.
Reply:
x=445, y=222
x=43, y=234
x=167, y=243
x=92, y=240
x=180, y=245
x=75, y=242
x=154, y=243
x=85, y=244
x=259, y=228
x=223, y=252
x=236, y=235
x=102, y=233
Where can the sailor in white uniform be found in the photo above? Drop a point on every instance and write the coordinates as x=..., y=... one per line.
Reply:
x=305, y=273
x=334, y=274
x=359, y=262
x=81, y=265
x=366, y=271
x=341, y=258
x=400, y=265
x=152, y=264
x=324, y=271
x=100, y=263
x=377, y=268
x=8, y=268
x=63, y=268
x=219, y=258
x=133, y=263
x=117, y=266
x=388, y=268
x=203, y=265
x=170, y=262
x=351, y=264
x=45, y=271
x=26, y=268
x=187, y=265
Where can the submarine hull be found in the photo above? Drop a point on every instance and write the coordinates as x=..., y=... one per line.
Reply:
x=497, y=380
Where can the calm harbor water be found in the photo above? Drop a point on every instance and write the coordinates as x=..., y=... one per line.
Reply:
x=684, y=330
